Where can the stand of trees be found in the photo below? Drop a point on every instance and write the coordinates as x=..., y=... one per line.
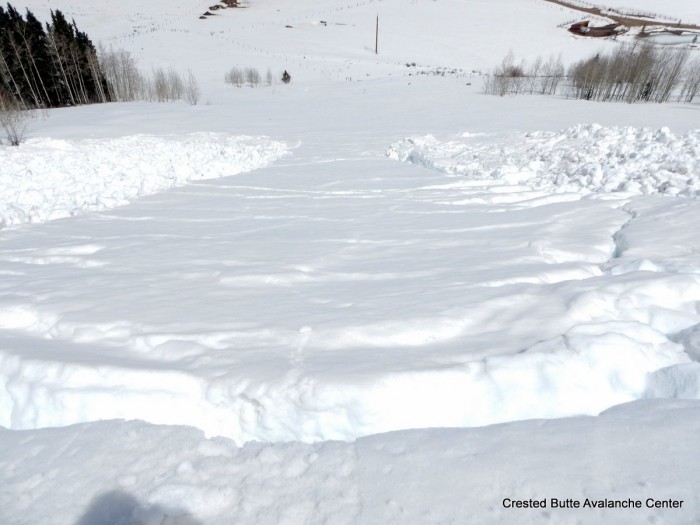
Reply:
x=638, y=73
x=47, y=67
x=250, y=76
x=126, y=82
x=542, y=76
x=630, y=73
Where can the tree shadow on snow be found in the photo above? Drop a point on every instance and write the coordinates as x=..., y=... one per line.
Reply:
x=119, y=508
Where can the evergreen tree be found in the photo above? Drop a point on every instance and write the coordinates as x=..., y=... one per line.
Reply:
x=46, y=68
x=14, y=74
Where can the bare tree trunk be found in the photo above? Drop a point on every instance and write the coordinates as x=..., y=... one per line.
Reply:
x=30, y=54
x=13, y=44
x=192, y=92
x=691, y=86
x=82, y=91
x=97, y=76
x=6, y=69
x=53, y=47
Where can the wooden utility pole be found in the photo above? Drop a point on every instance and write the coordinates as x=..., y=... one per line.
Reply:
x=376, y=38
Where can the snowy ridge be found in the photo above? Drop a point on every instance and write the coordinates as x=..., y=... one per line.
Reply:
x=47, y=178
x=584, y=158
x=572, y=374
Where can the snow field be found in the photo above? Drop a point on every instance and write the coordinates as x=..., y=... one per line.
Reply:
x=318, y=308
x=45, y=179
x=674, y=10
x=582, y=159
x=342, y=50
x=133, y=472
x=336, y=294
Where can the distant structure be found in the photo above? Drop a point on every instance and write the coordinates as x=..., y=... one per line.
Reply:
x=584, y=29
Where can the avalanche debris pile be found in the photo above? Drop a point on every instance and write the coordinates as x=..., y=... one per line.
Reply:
x=583, y=158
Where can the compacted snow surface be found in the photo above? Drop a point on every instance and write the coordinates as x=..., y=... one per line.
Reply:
x=374, y=295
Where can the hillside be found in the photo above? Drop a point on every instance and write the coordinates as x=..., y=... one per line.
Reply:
x=373, y=295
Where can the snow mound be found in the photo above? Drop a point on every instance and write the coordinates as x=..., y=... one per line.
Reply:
x=595, y=364
x=583, y=158
x=46, y=178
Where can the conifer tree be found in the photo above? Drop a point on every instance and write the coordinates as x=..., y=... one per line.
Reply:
x=47, y=68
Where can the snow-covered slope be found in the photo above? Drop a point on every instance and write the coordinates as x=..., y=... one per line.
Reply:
x=547, y=268
x=317, y=302
x=674, y=10
x=327, y=40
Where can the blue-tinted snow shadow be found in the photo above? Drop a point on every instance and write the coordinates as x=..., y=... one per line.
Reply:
x=120, y=508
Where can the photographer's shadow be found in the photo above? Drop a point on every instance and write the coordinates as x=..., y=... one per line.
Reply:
x=120, y=508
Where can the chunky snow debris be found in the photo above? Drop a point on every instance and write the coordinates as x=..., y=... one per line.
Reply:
x=583, y=158
x=46, y=179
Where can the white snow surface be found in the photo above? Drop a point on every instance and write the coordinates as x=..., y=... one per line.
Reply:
x=48, y=178
x=116, y=472
x=314, y=302
x=280, y=35
x=686, y=11
x=585, y=158
x=549, y=268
